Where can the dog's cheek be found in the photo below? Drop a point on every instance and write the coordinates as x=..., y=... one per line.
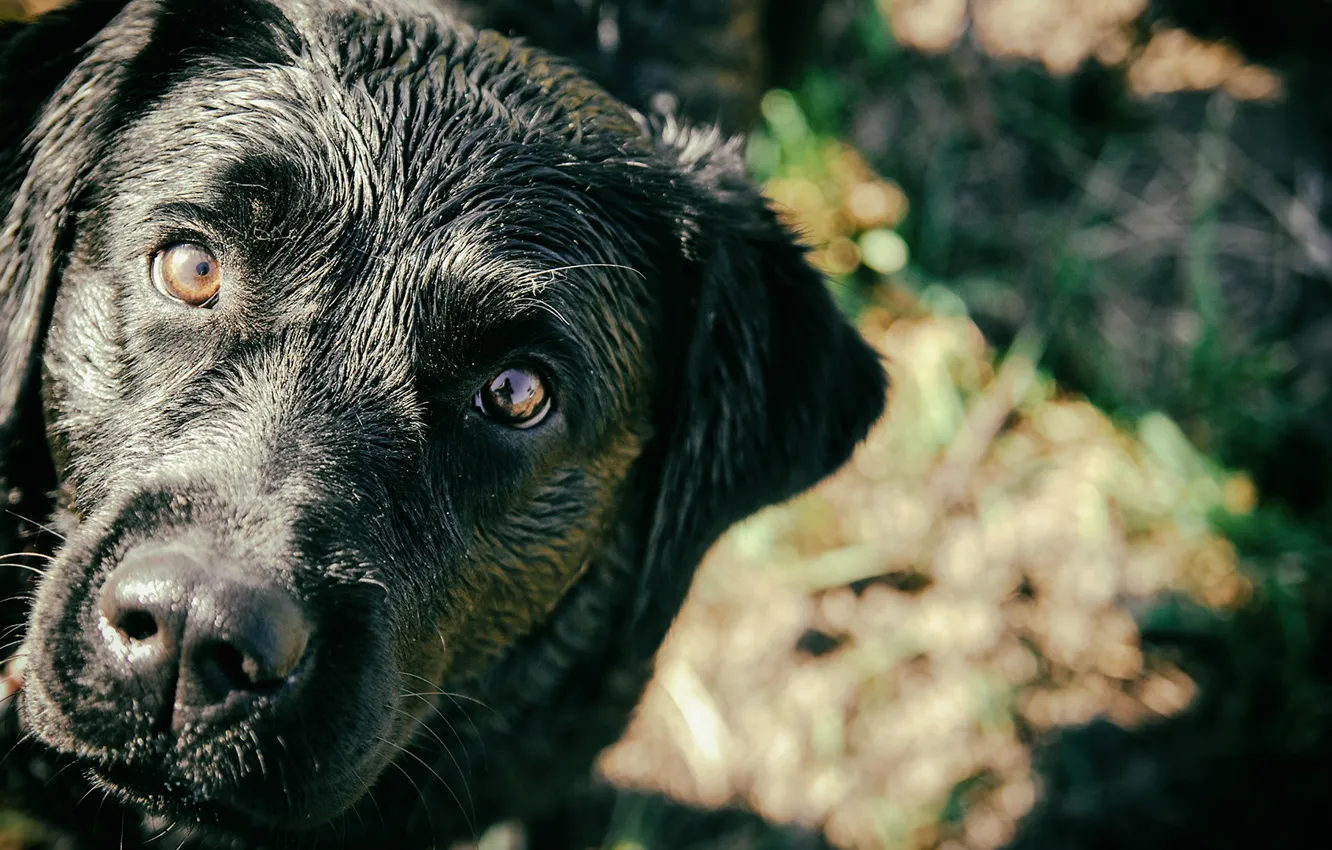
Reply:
x=80, y=387
x=522, y=565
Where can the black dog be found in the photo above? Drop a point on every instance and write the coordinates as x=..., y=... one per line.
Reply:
x=395, y=378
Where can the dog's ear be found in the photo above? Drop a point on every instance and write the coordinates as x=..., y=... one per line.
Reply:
x=772, y=388
x=51, y=89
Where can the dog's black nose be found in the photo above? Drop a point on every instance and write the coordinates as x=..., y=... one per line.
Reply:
x=193, y=634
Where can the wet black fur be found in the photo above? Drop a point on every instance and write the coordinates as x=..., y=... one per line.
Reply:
x=402, y=206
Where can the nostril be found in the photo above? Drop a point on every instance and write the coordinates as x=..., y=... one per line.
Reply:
x=224, y=668
x=145, y=600
x=243, y=637
x=136, y=625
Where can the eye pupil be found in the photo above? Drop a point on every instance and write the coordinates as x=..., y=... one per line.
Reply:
x=202, y=270
x=516, y=396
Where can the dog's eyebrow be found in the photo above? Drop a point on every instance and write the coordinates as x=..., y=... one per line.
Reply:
x=186, y=214
x=535, y=327
x=227, y=195
x=223, y=221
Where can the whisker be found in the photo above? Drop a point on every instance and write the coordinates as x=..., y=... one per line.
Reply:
x=43, y=526
x=23, y=738
x=25, y=554
x=470, y=825
x=425, y=807
x=163, y=834
x=29, y=567
x=259, y=754
x=339, y=827
x=282, y=775
x=378, y=810
x=452, y=694
x=10, y=645
x=11, y=629
x=158, y=835
x=52, y=778
x=356, y=810
x=542, y=305
x=456, y=734
x=444, y=748
x=476, y=730
x=24, y=596
x=423, y=697
x=456, y=696
x=92, y=789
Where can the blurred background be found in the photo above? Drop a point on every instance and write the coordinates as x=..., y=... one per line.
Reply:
x=1073, y=590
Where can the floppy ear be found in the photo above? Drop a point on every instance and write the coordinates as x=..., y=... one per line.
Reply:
x=49, y=108
x=773, y=387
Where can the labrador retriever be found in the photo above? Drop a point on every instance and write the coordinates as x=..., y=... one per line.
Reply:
x=381, y=381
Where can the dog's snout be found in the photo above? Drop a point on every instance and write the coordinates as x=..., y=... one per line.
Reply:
x=194, y=632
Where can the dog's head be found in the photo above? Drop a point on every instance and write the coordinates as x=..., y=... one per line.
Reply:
x=361, y=339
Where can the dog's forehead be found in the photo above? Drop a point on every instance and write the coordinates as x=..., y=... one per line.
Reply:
x=338, y=168
x=412, y=67
x=403, y=177
x=410, y=118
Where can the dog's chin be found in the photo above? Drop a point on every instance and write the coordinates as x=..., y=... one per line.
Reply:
x=164, y=779
x=236, y=809
x=250, y=806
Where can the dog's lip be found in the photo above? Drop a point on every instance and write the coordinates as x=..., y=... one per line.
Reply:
x=154, y=779
x=238, y=806
x=157, y=789
x=128, y=779
x=159, y=792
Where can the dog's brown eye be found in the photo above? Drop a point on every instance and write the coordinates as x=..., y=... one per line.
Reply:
x=517, y=396
x=188, y=273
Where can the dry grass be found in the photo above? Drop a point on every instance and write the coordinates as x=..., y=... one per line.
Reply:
x=1061, y=34
x=21, y=9
x=875, y=657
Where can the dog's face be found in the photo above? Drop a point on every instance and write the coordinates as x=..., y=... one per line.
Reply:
x=361, y=340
